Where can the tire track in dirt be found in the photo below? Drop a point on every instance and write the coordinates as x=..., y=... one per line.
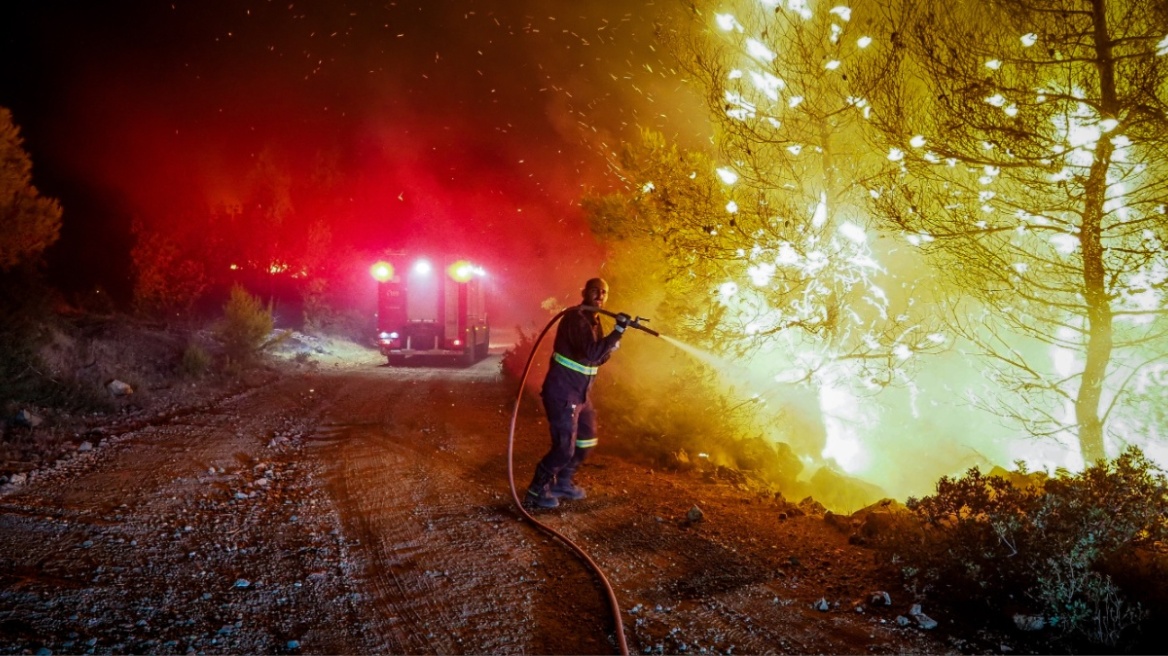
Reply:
x=448, y=569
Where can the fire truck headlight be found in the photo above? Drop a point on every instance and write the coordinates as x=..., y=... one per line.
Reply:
x=383, y=336
x=382, y=271
x=422, y=267
x=461, y=271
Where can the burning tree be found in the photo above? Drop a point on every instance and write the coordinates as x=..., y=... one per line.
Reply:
x=1030, y=143
x=771, y=227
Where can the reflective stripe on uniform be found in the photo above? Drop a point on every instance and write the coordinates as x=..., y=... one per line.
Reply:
x=586, y=444
x=575, y=366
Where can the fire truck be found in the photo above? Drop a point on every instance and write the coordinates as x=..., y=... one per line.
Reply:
x=431, y=307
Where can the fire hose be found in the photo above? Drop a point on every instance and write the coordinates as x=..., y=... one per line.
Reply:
x=612, y=601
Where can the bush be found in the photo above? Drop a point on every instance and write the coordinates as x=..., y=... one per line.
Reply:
x=246, y=325
x=1053, y=546
x=195, y=361
x=515, y=358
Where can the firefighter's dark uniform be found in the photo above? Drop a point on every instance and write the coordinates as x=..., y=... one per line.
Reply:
x=580, y=348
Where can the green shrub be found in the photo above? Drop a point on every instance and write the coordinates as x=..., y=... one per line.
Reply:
x=195, y=361
x=246, y=324
x=1053, y=546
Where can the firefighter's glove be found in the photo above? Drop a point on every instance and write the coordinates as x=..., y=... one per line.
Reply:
x=622, y=321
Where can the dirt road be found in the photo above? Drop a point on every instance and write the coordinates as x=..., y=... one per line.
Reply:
x=365, y=509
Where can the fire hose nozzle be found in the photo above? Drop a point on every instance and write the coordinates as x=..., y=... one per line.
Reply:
x=636, y=323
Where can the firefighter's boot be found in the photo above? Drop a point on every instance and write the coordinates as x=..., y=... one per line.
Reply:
x=563, y=487
x=538, y=494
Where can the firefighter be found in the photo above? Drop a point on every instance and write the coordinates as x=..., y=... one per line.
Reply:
x=580, y=348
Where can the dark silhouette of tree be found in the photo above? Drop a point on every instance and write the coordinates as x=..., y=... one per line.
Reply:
x=29, y=223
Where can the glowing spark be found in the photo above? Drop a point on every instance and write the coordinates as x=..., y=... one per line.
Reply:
x=902, y=351
x=1029, y=39
x=735, y=74
x=864, y=41
x=768, y=84
x=1011, y=111
x=745, y=108
x=728, y=22
x=787, y=255
x=1108, y=124
x=819, y=216
x=761, y=274
x=795, y=149
x=853, y=232
x=997, y=100
x=845, y=13
x=794, y=101
x=832, y=65
x=835, y=33
x=1162, y=47
x=895, y=154
x=936, y=338
x=758, y=50
x=917, y=141
x=800, y=6
x=1064, y=243
x=732, y=207
x=994, y=64
x=729, y=176
x=648, y=187
x=728, y=289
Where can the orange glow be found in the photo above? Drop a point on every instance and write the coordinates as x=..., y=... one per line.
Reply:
x=382, y=271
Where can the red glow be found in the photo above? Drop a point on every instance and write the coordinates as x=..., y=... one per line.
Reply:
x=262, y=154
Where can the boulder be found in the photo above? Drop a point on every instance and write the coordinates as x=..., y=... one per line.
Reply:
x=119, y=388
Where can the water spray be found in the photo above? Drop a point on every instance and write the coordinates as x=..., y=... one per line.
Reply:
x=612, y=601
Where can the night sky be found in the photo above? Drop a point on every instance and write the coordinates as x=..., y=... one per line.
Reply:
x=463, y=125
